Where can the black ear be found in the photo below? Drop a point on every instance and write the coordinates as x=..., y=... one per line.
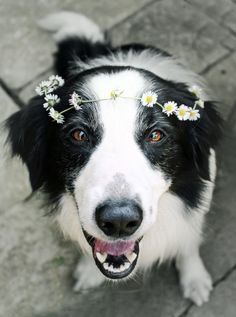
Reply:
x=27, y=137
x=203, y=136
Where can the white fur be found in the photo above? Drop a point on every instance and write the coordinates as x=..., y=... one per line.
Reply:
x=168, y=68
x=87, y=275
x=64, y=24
x=195, y=281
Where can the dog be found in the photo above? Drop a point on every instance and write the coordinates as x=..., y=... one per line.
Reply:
x=130, y=182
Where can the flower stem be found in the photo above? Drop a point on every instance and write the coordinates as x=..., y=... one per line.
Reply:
x=66, y=110
x=159, y=104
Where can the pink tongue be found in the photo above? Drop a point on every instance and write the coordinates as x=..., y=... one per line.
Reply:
x=114, y=248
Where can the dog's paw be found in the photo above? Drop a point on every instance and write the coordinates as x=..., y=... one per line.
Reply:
x=197, y=286
x=87, y=275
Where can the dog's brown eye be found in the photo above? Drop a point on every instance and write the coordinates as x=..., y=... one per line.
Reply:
x=80, y=136
x=155, y=136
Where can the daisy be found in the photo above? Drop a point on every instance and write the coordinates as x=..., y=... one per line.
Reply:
x=51, y=101
x=115, y=93
x=193, y=114
x=44, y=88
x=149, y=99
x=75, y=100
x=199, y=103
x=183, y=113
x=56, y=81
x=196, y=91
x=59, y=118
x=169, y=107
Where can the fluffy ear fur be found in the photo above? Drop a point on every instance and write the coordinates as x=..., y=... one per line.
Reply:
x=204, y=135
x=27, y=137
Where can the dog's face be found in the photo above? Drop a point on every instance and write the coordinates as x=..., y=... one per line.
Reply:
x=118, y=188
x=115, y=159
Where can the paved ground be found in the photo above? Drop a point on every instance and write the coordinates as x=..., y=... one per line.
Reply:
x=36, y=263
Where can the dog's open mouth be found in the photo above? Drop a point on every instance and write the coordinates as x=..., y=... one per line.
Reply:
x=115, y=259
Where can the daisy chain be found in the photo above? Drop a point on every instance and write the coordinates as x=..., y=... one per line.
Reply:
x=148, y=99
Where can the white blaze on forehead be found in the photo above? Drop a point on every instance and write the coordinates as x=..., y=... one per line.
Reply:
x=121, y=110
x=118, y=118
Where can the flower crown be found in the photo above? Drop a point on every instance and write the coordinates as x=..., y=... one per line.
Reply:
x=148, y=99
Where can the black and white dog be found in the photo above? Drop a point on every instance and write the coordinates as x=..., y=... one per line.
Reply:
x=128, y=183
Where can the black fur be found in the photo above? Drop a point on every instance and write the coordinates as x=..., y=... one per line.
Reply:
x=53, y=159
x=73, y=48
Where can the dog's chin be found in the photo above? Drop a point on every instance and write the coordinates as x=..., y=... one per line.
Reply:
x=115, y=259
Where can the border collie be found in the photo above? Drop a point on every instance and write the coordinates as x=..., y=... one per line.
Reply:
x=130, y=184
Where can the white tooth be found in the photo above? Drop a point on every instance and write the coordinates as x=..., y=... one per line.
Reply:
x=106, y=266
x=110, y=266
x=122, y=268
x=126, y=265
x=131, y=256
x=101, y=257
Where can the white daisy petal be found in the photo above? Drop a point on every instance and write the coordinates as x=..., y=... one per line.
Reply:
x=199, y=103
x=182, y=113
x=59, y=118
x=149, y=98
x=44, y=88
x=193, y=114
x=75, y=100
x=169, y=107
x=51, y=101
x=196, y=91
x=56, y=81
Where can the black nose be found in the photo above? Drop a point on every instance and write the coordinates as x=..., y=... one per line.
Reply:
x=118, y=219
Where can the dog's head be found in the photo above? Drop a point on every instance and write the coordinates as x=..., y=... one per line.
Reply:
x=108, y=165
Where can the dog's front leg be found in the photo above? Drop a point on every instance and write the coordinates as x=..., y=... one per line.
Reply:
x=195, y=281
x=87, y=274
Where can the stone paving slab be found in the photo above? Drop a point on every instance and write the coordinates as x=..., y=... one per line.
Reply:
x=222, y=303
x=29, y=90
x=222, y=79
x=219, y=251
x=215, y=10
x=179, y=28
x=223, y=12
x=33, y=263
x=26, y=51
x=14, y=183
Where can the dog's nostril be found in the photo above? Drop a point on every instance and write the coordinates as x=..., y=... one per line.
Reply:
x=107, y=225
x=131, y=224
x=118, y=219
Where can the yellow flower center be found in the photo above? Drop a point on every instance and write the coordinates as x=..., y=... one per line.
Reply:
x=182, y=112
x=148, y=99
x=113, y=94
x=169, y=107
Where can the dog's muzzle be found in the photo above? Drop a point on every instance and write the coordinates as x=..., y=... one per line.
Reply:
x=116, y=258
